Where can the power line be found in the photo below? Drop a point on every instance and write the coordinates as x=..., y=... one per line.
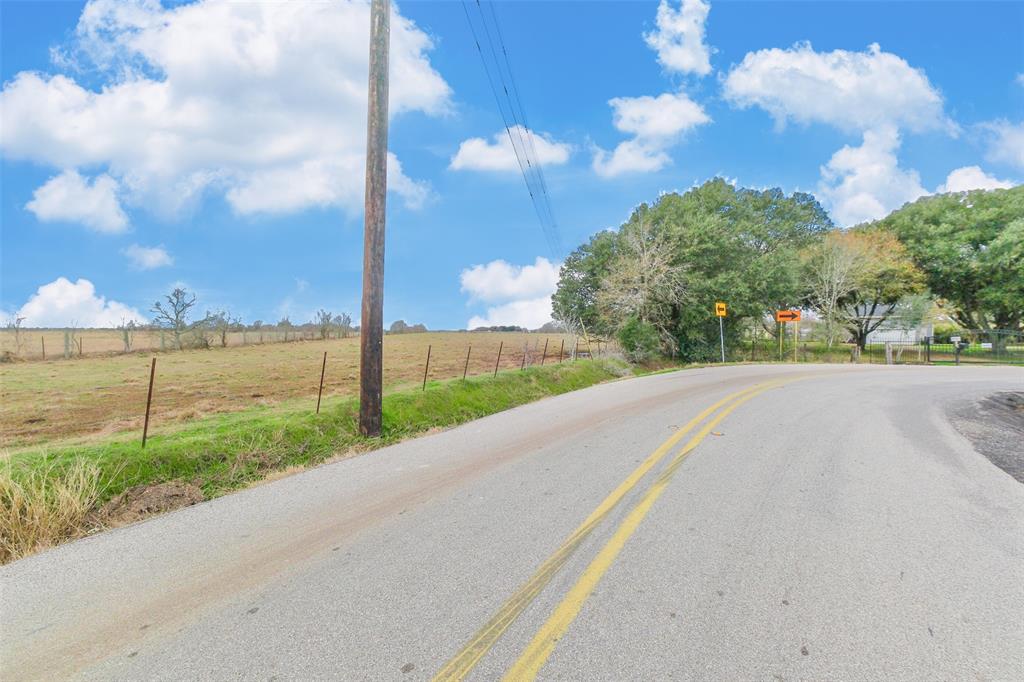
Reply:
x=513, y=116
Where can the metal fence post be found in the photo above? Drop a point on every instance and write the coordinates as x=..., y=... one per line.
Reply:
x=496, y=362
x=426, y=368
x=323, y=370
x=149, y=401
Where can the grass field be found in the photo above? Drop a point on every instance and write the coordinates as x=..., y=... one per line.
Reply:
x=53, y=493
x=92, y=398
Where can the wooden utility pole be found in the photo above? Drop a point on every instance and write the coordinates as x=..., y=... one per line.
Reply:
x=371, y=337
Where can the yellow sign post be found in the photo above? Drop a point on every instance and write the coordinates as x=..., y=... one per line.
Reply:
x=720, y=313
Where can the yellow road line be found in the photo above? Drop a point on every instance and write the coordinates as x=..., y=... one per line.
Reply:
x=543, y=643
x=463, y=662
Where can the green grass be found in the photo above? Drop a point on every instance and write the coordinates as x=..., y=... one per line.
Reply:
x=228, y=452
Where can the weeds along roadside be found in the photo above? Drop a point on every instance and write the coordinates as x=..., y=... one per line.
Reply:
x=52, y=495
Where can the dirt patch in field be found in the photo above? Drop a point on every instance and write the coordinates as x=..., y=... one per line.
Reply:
x=995, y=426
x=143, y=501
x=101, y=395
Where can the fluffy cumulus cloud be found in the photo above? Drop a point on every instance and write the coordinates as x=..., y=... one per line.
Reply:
x=70, y=197
x=520, y=294
x=866, y=183
x=971, y=177
x=1005, y=142
x=263, y=103
x=656, y=123
x=659, y=123
x=530, y=313
x=500, y=281
x=875, y=94
x=476, y=153
x=679, y=37
x=852, y=91
x=63, y=303
x=148, y=257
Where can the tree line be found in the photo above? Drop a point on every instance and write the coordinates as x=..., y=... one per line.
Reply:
x=653, y=282
x=174, y=315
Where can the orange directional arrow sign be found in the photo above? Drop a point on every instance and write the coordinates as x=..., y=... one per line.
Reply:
x=787, y=315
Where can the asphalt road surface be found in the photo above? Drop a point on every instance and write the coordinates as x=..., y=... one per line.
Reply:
x=749, y=522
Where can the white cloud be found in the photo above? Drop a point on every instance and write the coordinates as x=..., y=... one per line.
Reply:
x=971, y=177
x=523, y=292
x=661, y=117
x=62, y=303
x=866, y=183
x=262, y=102
x=1005, y=142
x=476, y=153
x=502, y=281
x=148, y=257
x=853, y=91
x=1020, y=79
x=679, y=38
x=530, y=313
x=656, y=124
x=72, y=198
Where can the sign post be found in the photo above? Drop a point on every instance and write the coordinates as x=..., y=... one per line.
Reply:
x=720, y=313
x=796, y=339
x=782, y=317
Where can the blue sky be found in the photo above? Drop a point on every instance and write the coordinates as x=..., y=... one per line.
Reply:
x=219, y=146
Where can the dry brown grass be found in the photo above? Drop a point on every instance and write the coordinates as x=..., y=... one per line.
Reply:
x=101, y=396
x=45, y=509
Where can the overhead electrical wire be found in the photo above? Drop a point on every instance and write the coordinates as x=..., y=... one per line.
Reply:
x=513, y=116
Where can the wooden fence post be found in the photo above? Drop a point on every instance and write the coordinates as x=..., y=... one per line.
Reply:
x=466, y=368
x=323, y=370
x=496, y=362
x=545, y=356
x=526, y=350
x=149, y=401
x=42, y=340
x=561, y=349
x=426, y=368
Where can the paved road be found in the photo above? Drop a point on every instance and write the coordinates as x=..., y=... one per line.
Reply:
x=760, y=522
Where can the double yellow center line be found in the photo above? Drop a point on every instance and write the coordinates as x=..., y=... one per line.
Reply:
x=543, y=643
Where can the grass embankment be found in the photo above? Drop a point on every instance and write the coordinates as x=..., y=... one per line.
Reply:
x=51, y=495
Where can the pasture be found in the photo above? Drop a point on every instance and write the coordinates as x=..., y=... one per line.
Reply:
x=94, y=397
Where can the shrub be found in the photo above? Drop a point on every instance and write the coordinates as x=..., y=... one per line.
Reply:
x=943, y=332
x=45, y=507
x=639, y=340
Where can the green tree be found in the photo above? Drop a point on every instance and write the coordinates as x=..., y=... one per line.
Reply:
x=858, y=279
x=644, y=283
x=574, y=303
x=735, y=245
x=970, y=246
